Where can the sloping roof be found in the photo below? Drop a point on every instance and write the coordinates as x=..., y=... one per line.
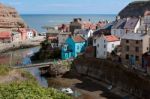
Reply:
x=5, y=34
x=111, y=38
x=81, y=31
x=106, y=30
x=119, y=24
x=131, y=23
x=147, y=13
x=134, y=36
x=78, y=39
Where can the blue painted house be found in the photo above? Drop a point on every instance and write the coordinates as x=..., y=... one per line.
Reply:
x=73, y=46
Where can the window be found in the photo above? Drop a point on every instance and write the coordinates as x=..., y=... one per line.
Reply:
x=78, y=47
x=147, y=48
x=113, y=46
x=137, y=42
x=94, y=40
x=127, y=41
x=137, y=58
x=104, y=52
x=97, y=45
x=104, y=41
x=127, y=56
x=127, y=48
x=137, y=49
x=104, y=46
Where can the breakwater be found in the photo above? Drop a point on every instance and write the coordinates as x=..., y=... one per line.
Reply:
x=114, y=74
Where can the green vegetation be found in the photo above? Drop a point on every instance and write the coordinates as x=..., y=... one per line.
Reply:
x=27, y=88
x=47, y=52
x=4, y=70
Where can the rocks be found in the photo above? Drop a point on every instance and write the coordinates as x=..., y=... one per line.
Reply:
x=9, y=18
x=55, y=70
x=135, y=9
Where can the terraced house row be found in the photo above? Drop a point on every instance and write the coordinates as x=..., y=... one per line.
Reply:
x=125, y=40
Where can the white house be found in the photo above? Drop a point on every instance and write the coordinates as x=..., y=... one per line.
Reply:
x=105, y=45
x=62, y=36
x=132, y=25
x=85, y=33
x=30, y=33
x=118, y=28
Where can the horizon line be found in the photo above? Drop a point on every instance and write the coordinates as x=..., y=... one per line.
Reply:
x=63, y=14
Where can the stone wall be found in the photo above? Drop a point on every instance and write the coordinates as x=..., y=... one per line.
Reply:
x=115, y=74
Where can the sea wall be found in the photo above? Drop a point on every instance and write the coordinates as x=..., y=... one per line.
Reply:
x=115, y=74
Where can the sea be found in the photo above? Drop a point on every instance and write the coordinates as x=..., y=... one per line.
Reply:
x=37, y=21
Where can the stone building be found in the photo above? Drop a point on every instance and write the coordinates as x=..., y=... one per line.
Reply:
x=133, y=46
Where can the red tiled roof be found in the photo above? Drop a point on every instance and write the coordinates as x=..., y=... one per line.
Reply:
x=51, y=38
x=5, y=34
x=22, y=30
x=147, y=13
x=78, y=39
x=111, y=38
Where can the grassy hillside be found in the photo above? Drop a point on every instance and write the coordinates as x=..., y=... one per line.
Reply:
x=19, y=84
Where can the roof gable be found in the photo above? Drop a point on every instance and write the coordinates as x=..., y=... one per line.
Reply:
x=119, y=24
x=131, y=23
x=78, y=39
x=111, y=38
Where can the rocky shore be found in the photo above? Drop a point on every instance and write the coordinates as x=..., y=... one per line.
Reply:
x=5, y=47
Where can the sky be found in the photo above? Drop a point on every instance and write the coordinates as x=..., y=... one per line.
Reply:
x=67, y=6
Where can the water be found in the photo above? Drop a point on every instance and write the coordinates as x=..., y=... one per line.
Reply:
x=20, y=57
x=37, y=21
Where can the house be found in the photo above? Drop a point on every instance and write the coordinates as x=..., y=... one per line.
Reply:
x=77, y=23
x=16, y=36
x=118, y=28
x=105, y=44
x=146, y=62
x=23, y=33
x=106, y=30
x=27, y=33
x=132, y=25
x=85, y=33
x=5, y=37
x=73, y=47
x=145, y=23
x=133, y=46
x=31, y=33
x=52, y=36
x=62, y=36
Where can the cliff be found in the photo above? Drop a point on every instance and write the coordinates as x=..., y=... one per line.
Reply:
x=135, y=9
x=115, y=74
x=9, y=18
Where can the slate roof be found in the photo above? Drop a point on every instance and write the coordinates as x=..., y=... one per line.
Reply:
x=134, y=36
x=119, y=24
x=78, y=39
x=131, y=23
x=111, y=38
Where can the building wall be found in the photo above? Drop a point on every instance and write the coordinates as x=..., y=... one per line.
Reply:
x=101, y=48
x=75, y=25
x=146, y=44
x=112, y=45
x=137, y=26
x=61, y=39
x=118, y=32
x=17, y=37
x=79, y=48
x=132, y=51
x=30, y=34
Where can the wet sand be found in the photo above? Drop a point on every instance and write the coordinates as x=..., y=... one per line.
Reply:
x=88, y=88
